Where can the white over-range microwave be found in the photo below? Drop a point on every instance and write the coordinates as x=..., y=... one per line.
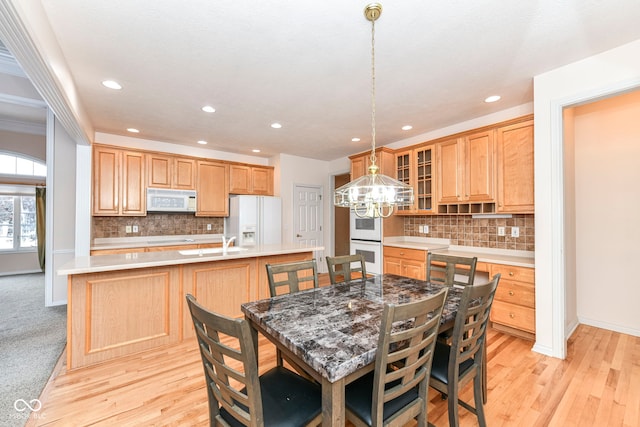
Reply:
x=168, y=200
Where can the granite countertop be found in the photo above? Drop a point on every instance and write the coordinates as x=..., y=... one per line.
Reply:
x=335, y=329
x=100, y=263
x=490, y=255
x=150, y=241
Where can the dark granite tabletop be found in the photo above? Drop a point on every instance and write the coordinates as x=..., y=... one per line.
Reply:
x=335, y=329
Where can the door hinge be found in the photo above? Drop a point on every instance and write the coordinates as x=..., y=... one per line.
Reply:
x=320, y=228
x=320, y=196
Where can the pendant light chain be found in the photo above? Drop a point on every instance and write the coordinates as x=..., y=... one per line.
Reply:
x=373, y=92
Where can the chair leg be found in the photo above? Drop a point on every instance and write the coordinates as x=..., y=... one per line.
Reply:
x=452, y=388
x=278, y=357
x=478, y=396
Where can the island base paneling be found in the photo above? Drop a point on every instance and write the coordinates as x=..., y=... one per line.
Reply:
x=115, y=313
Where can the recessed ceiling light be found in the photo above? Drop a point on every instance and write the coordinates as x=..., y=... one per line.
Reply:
x=133, y=130
x=255, y=150
x=111, y=84
x=276, y=125
x=202, y=142
x=208, y=109
x=355, y=139
x=492, y=98
x=407, y=127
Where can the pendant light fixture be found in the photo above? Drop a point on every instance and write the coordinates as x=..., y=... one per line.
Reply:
x=373, y=195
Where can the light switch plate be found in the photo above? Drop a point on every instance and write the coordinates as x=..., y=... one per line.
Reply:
x=501, y=231
x=127, y=229
x=135, y=228
x=515, y=231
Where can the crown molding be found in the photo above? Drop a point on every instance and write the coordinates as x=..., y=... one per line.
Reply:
x=23, y=127
x=15, y=35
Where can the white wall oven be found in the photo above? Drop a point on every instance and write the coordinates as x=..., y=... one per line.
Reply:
x=366, y=239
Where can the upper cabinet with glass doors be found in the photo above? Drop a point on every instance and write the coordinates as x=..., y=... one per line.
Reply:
x=415, y=168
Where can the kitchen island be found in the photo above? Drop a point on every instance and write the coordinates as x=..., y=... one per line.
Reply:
x=125, y=303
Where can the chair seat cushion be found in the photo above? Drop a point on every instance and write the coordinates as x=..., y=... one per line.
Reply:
x=287, y=399
x=440, y=364
x=358, y=399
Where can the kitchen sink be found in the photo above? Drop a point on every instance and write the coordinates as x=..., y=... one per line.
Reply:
x=209, y=251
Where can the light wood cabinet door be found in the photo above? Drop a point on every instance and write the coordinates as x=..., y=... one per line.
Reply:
x=405, y=262
x=134, y=200
x=106, y=181
x=213, y=189
x=360, y=163
x=170, y=172
x=450, y=155
x=515, y=168
x=358, y=167
x=118, y=182
x=479, y=167
x=239, y=179
x=262, y=181
x=415, y=168
x=513, y=308
x=245, y=179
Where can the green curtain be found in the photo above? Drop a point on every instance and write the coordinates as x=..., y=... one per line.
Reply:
x=41, y=202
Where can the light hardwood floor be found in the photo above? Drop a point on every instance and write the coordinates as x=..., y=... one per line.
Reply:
x=597, y=385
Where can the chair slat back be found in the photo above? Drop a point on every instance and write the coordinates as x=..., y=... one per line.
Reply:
x=286, y=278
x=451, y=270
x=341, y=268
x=469, y=331
x=406, y=343
x=230, y=364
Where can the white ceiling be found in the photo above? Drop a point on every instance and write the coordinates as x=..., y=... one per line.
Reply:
x=307, y=65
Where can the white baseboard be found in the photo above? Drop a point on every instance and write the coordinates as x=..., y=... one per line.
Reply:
x=571, y=328
x=14, y=273
x=609, y=326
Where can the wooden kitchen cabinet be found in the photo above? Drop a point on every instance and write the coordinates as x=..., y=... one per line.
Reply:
x=118, y=182
x=384, y=159
x=415, y=168
x=466, y=173
x=513, y=309
x=165, y=171
x=212, y=186
x=405, y=262
x=515, y=173
x=251, y=179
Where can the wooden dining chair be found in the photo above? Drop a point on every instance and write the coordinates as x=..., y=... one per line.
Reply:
x=237, y=395
x=450, y=270
x=285, y=278
x=347, y=264
x=455, y=364
x=397, y=390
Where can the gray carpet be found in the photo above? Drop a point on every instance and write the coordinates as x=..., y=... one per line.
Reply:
x=32, y=338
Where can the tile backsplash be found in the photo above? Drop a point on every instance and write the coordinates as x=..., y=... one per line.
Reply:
x=480, y=232
x=155, y=224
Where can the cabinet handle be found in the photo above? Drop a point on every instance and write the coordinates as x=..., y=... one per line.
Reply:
x=511, y=273
x=511, y=315
x=511, y=293
x=401, y=253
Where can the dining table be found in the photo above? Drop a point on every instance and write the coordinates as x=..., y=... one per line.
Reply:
x=331, y=332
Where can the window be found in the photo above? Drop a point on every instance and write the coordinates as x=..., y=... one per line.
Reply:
x=17, y=223
x=11, y=164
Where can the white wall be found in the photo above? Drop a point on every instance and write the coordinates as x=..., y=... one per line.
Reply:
x=607, y=176
x=613, y=71
x=61, y=209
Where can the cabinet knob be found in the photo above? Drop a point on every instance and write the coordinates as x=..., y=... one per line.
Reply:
x=511, y=315
x=401, y=253
x=511, y=293
x=511, y=273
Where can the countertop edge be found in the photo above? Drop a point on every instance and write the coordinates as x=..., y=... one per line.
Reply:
x=130, y=261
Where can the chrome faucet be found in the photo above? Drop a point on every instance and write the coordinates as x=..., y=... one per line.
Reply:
x=226, y=243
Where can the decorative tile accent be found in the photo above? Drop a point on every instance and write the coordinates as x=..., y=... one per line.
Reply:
x=155, y=224
x=479, y=232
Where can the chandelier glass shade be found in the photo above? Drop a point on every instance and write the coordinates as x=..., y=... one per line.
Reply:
x=373, y=195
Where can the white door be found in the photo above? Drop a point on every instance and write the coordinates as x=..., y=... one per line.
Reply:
x=307, y=217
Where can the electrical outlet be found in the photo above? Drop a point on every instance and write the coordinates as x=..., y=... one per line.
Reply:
x=127, y=229
x=515, y=231
x=421, y=229
x=501, y=231
x=135, y=228
x=426, y=229
x=208, y=227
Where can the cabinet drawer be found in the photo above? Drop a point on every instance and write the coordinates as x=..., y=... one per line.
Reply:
x=515, y=293
x=515, y=316
x=404, y=253
x=508, y=272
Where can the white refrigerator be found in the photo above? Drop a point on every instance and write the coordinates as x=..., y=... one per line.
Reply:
x=254, y=220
